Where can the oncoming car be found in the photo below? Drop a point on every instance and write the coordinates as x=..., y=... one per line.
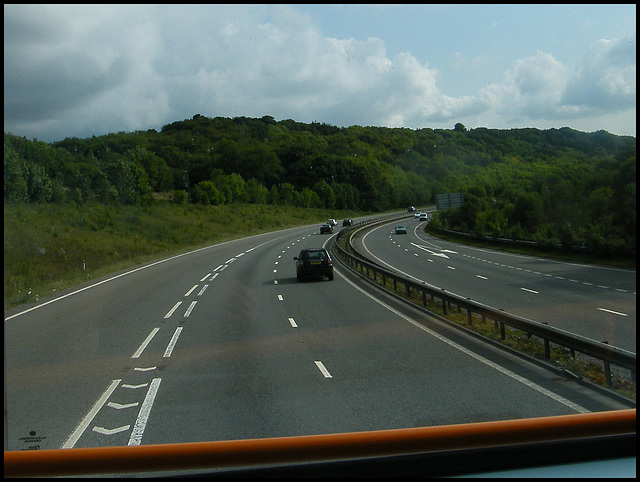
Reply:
x=326, y=228
x=401, y=229
x=314, y=262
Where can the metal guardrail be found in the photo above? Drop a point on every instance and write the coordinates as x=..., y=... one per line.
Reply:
x=609, y=355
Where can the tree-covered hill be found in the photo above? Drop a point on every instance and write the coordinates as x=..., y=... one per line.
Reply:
x=557, y=185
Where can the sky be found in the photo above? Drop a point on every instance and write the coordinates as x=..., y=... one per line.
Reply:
x=90, y=70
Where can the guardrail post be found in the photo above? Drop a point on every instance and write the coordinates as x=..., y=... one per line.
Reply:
x=444, y=307
x=607, y=372
x=469, y=317
x=547, y=349
x=502, y=333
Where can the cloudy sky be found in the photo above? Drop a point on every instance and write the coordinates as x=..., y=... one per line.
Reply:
x=79, y=71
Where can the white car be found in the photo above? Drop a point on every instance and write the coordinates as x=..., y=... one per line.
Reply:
x=423, y=216
x=332, y=222
x=416, y=216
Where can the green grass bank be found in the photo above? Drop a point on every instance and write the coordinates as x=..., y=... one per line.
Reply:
x=52, y=247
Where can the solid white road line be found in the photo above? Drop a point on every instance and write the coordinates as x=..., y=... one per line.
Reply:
x=84, y=423
x=481, y=359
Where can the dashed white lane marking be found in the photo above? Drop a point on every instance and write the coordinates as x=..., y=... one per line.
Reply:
x=147, y=340
x=203, y=290
x=175, y=307
x=172, y=343
x=143, y=415
x=190, y=309
x=323, y=370
x=614, y=312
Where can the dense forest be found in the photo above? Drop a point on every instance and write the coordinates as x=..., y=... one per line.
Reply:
x=557, y=186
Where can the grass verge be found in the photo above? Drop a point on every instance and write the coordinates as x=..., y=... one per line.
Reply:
x=52, y=247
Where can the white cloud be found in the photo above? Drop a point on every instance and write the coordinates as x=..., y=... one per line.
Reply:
x=532, y=88
x=606, y=78
x=82, y=71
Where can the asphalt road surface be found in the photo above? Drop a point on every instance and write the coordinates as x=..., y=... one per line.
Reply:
x=225, y=343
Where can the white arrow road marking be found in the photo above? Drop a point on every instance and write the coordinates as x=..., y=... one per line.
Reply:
x=120, y=406
x=107, y=431
x=433, y=253
x=134, y=387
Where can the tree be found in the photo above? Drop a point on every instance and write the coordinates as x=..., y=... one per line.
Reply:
x=206, y=193
x=326, y=194
x=527, y=211
x=15, y=184
x=256, y=193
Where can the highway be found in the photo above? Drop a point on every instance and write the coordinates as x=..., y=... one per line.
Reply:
x=593, y=301
x=224, y=343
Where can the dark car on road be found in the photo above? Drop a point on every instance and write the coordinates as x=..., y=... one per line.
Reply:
x=401, y=229
x=347, y=222
x=314, y=262
x=326, y=228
